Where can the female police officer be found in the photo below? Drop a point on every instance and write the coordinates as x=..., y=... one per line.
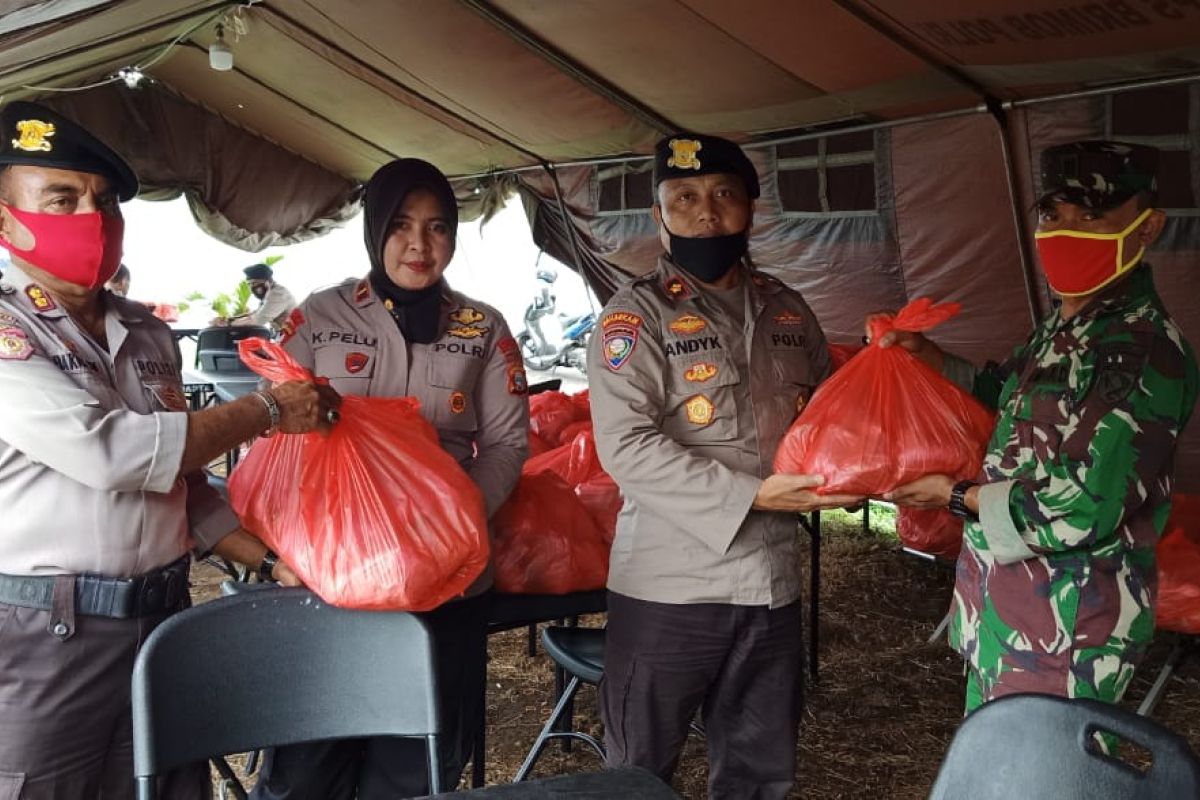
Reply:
x=402, y=331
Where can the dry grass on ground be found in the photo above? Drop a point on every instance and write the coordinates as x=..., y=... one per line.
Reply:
x=877, y=723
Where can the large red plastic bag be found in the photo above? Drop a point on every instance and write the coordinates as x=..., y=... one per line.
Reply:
x=840, y=354
x=885, y=418
x=1179, y=568
x=546, y=541
x=574, y=462
x=376, y=515
x=601, y=496
x=550, y=412
x=934, y=531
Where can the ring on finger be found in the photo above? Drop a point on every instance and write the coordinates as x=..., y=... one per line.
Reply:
x=332, y=416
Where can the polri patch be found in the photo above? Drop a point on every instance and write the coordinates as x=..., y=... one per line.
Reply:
x=688, y=324
x=467, y=316
x=40, y=299
x=458, y=402
x=14, y=345
x=620, y=331
x=700, y=410
x=699, y=373
x=356, y=362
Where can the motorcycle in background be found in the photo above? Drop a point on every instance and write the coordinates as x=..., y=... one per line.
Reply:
x=551, y=339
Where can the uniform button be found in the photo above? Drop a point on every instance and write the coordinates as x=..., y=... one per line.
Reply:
x=60, y=629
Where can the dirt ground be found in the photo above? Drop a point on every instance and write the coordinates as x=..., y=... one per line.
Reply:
x=876, y=724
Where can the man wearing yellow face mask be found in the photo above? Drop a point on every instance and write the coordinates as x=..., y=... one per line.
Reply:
x=1056, y=581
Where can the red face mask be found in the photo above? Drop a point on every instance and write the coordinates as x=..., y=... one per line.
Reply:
x=1078, y=262
x=83, y=249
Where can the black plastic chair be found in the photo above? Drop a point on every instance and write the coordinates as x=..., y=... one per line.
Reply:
x=579, y=651
x=306, y=671
x=1033, y=746
x=217, y=348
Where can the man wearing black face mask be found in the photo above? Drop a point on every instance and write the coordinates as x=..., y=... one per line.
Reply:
x=699, y=368
x=276, y=303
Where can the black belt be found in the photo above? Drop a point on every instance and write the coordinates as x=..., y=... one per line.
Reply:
x=146, y=595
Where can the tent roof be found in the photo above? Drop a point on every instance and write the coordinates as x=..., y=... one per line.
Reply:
x=482, y=85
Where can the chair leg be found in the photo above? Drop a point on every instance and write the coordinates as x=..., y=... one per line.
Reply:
x=228, y=779
x=1174, y=658
x=549, y=732
x=814, y=617
x=435, y=765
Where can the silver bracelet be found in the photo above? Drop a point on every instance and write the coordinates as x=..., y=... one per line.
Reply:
x=272, y=409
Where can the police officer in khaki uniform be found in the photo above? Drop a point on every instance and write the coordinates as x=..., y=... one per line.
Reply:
x=698, y=370
x=99, y=469
x=403, y=331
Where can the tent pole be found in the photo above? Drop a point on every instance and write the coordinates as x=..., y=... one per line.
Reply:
x=1000, y=116
x=566, y=217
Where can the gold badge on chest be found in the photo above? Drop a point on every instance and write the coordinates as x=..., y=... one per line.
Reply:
x=700, y=410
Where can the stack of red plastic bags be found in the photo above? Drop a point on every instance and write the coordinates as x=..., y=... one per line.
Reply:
x=885, y=419
x=554, y=532
x=375, y=515
x=1179, y=567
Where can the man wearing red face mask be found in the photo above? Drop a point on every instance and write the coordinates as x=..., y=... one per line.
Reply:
x=1056, y=580
x=100, y=469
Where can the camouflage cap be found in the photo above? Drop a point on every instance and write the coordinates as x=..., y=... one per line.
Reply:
x=1098, y=174
x=34, y=135
x=686, y=154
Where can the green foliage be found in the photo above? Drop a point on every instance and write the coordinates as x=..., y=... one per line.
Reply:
x=225, y=304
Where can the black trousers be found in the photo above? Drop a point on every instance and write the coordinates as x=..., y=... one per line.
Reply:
x=741, y=666
x=386, y=767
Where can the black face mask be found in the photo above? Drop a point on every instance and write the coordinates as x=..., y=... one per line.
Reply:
x=707, y=259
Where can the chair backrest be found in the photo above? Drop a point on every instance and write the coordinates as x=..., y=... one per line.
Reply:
x=217, y=348
x=1032, y=746
x=276, y=667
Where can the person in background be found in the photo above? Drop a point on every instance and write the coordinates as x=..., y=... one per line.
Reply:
x=276, y=303
x=100, y=469
x=401, y=330
x=1056, y=580
x=696, y=371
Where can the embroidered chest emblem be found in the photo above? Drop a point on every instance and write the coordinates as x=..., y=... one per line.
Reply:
x=688, y=324
x=466, y=332
x=458, y=402
x=14, y=345
x=356, y=362
x=789, y=318
x=33, y=135
x=685, y=153
x=699, y=373
x=467, y=316
x=700, y=410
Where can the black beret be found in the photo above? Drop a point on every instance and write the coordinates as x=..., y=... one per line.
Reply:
x=37, y=136
x=1098, y=174
x=258, y=272
x=687, y=154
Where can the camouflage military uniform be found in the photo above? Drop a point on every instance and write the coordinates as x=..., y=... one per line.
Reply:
x=1056, y=586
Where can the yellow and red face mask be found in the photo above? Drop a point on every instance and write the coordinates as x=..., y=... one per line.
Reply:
x=1078, y=262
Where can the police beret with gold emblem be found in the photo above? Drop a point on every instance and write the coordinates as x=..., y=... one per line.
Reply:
x=1098, y=174
x=33, y=134
x=686, y=154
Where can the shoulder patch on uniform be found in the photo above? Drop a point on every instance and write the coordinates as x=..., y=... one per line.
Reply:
x=1118, y=367
x=518, y=383
x=509, y=349
x=14, y=345
x=288, y=327
x=467, y=316
x=40, y=299
x=620, y=331
x=362, y=291
x=688, y=324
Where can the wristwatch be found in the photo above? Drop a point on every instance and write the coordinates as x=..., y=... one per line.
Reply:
x=267, y=566
x=958, y=501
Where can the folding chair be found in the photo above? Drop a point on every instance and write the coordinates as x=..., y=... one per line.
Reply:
x=307, y=672
x=1034, y=746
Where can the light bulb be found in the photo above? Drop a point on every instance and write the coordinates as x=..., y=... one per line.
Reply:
x=220, y=57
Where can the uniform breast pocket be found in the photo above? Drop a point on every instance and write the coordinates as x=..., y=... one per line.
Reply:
x=450, y=398
x=1041, y=421
x=348, y=368
x=701, y=400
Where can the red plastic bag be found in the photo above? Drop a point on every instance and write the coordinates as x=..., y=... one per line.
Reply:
x=568, y=434
x=935, y=531
x=538, y=445
x=376, y=515
x=1179, y=568
x=546, y=541
x=886, y=418
x=550, y=412
x=601, y=496
x=574, y=462
x=840, y=354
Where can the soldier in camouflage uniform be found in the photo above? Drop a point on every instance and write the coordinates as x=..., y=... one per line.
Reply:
x=1056, y=582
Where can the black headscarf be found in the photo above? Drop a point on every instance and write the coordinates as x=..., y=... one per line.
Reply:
x=416, y=312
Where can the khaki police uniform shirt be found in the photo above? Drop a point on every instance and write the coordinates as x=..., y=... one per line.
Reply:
x=470, y=381
x=276, y=304
x=91, y=442
x=689, y=408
